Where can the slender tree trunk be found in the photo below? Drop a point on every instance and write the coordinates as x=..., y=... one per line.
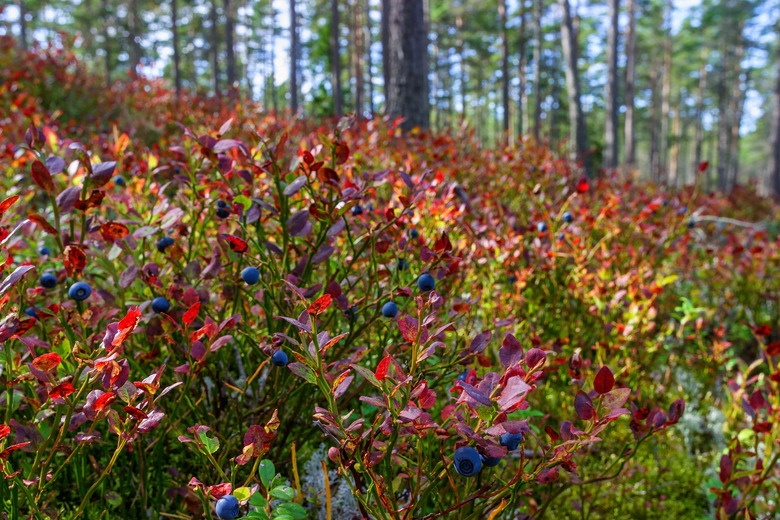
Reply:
x=335, y=58
x=409, y=59
x=629, y=126
x=654, y=120
x=176, y=56
x=230, y=50
x=554, y=115
x=700, y=116
x=579, y=137
x=370, y=63
x=521, y=99
x=359, y=80
x=293, y=59
x=384, y=30
x=272, y=61
x=737, y=104
x=723, y=121
x=666, y=95
x=504, y=68
x=214, y=48
x=435, y=87
x=22, y=24
x=537, y=16
x=774, y=161
x=106, y=40
x=461, y=65
x=611, y=94
x=675, y=147
x=132, y=27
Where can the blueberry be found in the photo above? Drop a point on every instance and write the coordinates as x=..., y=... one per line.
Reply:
x=44, y=251
x=463, y=375
x=164, y=243
x=541, y=227
x=567, y=217
x=389, y=310
x=221, y=204
x=351, y=314
x=665, y=202
x=223, y=211
x=414, y=233
x=682, y=210
x=370, y=206
x=426, y=282
x=160, y=304
x=490, y=462
x=48, y=280
x=227, y=507
x=511, y=440
x=119, y=180
x=30, y=311
x=691, y=223
x=279, y=358
x=512, y=279
x=561, y=236
x=79, y=291
x=403, y=265
x=357, y=210
x=467, y=461
x=250, y=275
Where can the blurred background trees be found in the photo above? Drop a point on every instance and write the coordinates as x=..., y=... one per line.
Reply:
x=652, y=86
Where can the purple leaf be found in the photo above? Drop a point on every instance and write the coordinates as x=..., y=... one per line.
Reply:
x=292, y=188
x=476, y=394
x=535, y=358
x=13, y=278
x=55, y=164
x=480, y=342
x=584, y=406
x=615, y=398
x=511, y=351
x=101, y=174
x=297, y=223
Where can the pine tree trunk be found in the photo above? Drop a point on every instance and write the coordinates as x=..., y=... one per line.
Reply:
x=359, y=80
x=370, y=63
x=293, y=59
x=654, y=120
x=674, y=153
x=538, y=68
x=384, y=30
x=699, y=118
x=611, y=93
x=132, y=27
x=214, y=48
x=666, y=97
x=521, y=99
x=462, y=65
x=230, y=50
x=504, y=68
x=22, y=24
x=629, y=125
x=723, y=122
x=737, y=105
x=774, y=162
x=176, y=55
x=408, y=64
x=106, y=40
x=335, y=58
x=579, y=138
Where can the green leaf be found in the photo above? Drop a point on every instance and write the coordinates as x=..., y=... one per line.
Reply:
x=244, y=201
x=283, y=492
x=368, y=374
x=242, y=493
x=257, y=500
x=292, y=509
x=257, y=514
x=211, y=445
x=283, y=517
x=266, y=471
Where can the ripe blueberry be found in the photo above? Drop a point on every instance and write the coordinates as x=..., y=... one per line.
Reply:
x=414, y=233
x=79, y=291
x=467, y=461
x=357, y=210
x=511, y=440
x=164, y=243
x=48, y=280
x=222, y=210
x=250, y=275
x=403, y=265
x=389, y=310
x=221, y=204
x=691, y=223
x=44, y=251
x=279, y=358
x=30, y=311
x=463, y=375
x=119, y=181
x=160, y=304
x=490, y=462
x=541, y=227
x=227, y=507
x=567, y=217
x=351, y=314
x=426, y=282
x=511, y=278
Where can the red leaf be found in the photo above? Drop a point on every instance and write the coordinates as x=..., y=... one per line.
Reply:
x=74, y=260
x=42, y=177
x=47, y=362
x=4, y=454
x=583, y=185
x=408, y=327
x=113, y=231
x=547, y=475
x=318, y=307
x=381, y=370
x=38, y=219
x=135, y=412
x=604, y=381
x=773, y=349
x=5, y=430
x=191, y=313
x=127, y=326
x=103, y=401
x=703, y=166
x=328, y=176
x=7, y=203
x=62, y=390
x=341, y=152
x=236, y=244
x=94, y=200
x=584, y=406
x=551, y=433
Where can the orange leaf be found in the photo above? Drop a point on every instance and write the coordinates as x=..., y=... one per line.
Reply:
x=320, y=305
x=94, y=200
x=63, y=390
x=341, y=151
x=332, y=342
x=46, y=362
x=38, y=219
x=103, y=401
x=7, y=203
x=191, y=313
x=127, y=326
x=340, y=379
x=113, y=230
x=74, y=260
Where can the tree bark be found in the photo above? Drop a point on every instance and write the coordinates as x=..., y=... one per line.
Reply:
x=335, y=59
x=214, y=47
x=666, y=95
x=132, y=27
x=22, y=24
x=176, y=55
x=699, y=118
x=674, y=153
x=629, y=126
x=579, y=138
x=230, y=50
x=462, y=64
x=654, y=120
x=106, y=41
x=293, y=59
x=370, y=62
x=384, y=30
x=537, y=16
x=408, y=93
x=504, y=68
x=611, y=94
x=774, y=162
x=737, y=105
x=723, y=121
x=522, y=74
x=359, y=80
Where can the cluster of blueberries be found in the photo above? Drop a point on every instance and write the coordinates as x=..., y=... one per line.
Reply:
x=468, y=462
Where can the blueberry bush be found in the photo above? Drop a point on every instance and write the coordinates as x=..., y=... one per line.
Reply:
x=211, y=313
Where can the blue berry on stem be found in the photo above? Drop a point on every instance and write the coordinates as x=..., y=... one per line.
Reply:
x=511, y=440
x=463, y=375
x=31, y=312
x=250, y=275
x=467, y=461
x=541, y=227
x=414, y=234
x=119, y=181
x=160, y=304
x=44, y=251
x=403, y=265
x=164, y=243
x=490, y=462
x=48, y=280
x=357, y=210
x=426, y=282
x=567, y=217
x=79, y=291
x=228, y=507
x=279, y=358
x=389, y=310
